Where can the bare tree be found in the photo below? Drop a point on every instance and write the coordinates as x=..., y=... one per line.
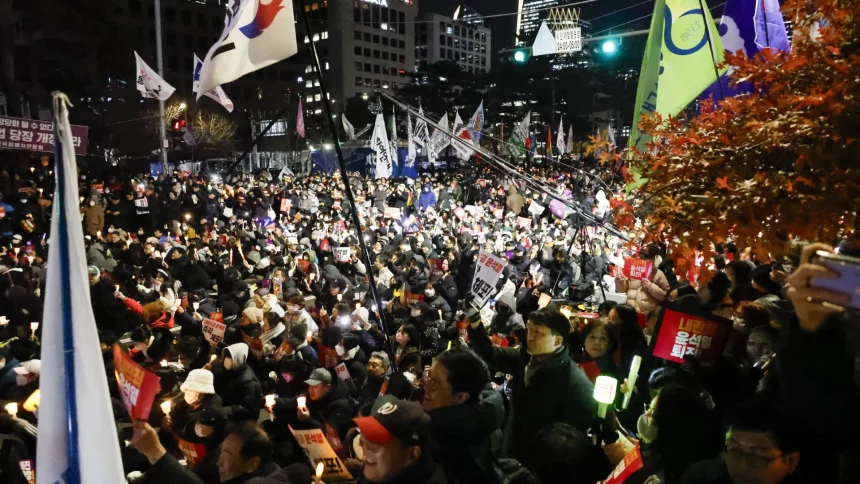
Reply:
x=212, y=130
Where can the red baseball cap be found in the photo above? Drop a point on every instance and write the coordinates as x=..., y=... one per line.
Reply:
x=392, y=418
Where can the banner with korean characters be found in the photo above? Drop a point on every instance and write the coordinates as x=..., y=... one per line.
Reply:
x=213, y=331
x=192, y=452
x=137, y=387
x=318, y=449
x=679, y=333
x=487, y=274
x=638, y=269
x=34, y=135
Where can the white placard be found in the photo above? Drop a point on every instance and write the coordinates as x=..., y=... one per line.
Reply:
x=568, y=40
x=213, y=331
x=341, y=254
x=536, y=209
x=487, y=273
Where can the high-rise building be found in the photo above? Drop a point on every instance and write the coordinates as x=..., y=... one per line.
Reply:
x=531, y=14
x=465, y=41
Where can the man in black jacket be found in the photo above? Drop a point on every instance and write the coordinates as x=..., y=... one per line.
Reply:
x=329, y=403
x=547, y=385
x=464, y=416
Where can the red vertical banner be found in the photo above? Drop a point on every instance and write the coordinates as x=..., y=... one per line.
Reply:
x=678, y=334
x=631, y=463
x=136, y=385
x=193, y=453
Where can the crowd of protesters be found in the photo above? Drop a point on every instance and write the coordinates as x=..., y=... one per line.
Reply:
x=435, y=390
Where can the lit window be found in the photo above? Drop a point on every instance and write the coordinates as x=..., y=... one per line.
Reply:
x=384, y=26
x=316, y=37
x=306, y=39
x=309, y=99
x=308, y=83
x=317, y=97
x=318, y=111
x=316, y=83
x=300, y=79
x=324, y=35
x=385, y=85
x=326, y=66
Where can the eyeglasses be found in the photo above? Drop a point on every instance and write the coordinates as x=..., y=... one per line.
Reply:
x=752, y=460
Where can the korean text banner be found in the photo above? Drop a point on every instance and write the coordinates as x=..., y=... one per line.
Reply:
x=33, y=135
x=136, y=385
x=679, y=334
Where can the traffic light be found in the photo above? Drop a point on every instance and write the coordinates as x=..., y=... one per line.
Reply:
x=609, y=47
x=521, y=56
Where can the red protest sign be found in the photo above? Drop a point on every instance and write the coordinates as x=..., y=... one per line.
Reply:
x=677, y=334
x=631, y=463
x=303, y=265
x=32, y=135
x=638, y=269
x=193, y=453
x=28, y=468
x=460, y=213
x=499, y=213
x=213, y=331
x=283, y=350
x=524, y=223
x=286, y=205
x=392, y=212
x=136, y=385
x=255, y=344
x=411, y=297
x=328, y=356
x=325, y=246
x=463, y=330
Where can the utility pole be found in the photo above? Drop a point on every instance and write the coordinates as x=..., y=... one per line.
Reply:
x=160, y=64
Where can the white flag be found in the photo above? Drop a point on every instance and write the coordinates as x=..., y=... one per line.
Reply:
x=149, y=83
x=559, y=140
x=382, y=147
x=410, y=142
x=421, y=135
x=476, y=124
x=569, y=148
x=347, y=126
x=440, y=138
x=393, y=135
x=217, y=94
x=255, y=35
x=517, y=145
x=611, y=134
x=77, y=431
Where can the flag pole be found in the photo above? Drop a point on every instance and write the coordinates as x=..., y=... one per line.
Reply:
x=711, y=46
x=257, y=139
x=356, y=222
x=160, y=61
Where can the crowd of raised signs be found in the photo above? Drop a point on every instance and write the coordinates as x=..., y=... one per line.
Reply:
x=516, y=336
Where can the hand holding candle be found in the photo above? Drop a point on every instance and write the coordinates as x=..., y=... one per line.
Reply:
x=318, y=476
x=270, y=406
x=34, y=326
x=165, y=407
x=12, y=408
x=301, y=401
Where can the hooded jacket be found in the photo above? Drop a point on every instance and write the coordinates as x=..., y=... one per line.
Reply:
x=239, y=386
x=515, y=201
x=427, y=198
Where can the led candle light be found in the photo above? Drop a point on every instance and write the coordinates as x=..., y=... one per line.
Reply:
x=12, y=408
x=34, y=327
x=631, y=380
x=212, y=358
x=165, y=407
x=163, y=362
x=196, y=306
x=604, y=393
x=301, y=401
x=270, y=403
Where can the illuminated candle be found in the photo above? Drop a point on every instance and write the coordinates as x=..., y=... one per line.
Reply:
x=301, y=401
x=12, y=408
x=163, y=362
x=320, y=468
x=165, y=407
x=196, y=307
x=34, y=326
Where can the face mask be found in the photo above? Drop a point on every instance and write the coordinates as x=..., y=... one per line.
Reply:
x=646, y=429
x=416, y=313
x=23, y=200
x=399, y=338
x=190, y=397
x=339, y=349
x=429, y=293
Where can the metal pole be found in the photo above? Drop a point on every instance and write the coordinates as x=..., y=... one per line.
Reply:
x=160, y=64
x=356, y=222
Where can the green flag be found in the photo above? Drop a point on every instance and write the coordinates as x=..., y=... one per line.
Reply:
x=517, y=145
x=678, y=64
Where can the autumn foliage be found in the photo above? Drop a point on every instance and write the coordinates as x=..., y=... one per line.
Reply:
x=779, y=163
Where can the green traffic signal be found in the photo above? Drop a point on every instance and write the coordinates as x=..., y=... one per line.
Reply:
x=521, y=56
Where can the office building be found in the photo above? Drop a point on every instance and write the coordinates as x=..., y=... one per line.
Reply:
x=465, y=41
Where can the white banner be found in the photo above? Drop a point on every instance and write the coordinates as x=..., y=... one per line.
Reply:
x=487, y=273
x=536, y=209
x=347, y=126
x=462, y=139
x=149, y=83
x=421, y=135
x=559, y=141
x=410, y=142
x=255, y=35
x=213, y=331
x=382, y=148
x=440, y=139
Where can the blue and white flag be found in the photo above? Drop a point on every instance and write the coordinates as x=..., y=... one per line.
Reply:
x=217, y=94
x=742, y=28
x=77, y=435
x=256, y=35
x=476, y=124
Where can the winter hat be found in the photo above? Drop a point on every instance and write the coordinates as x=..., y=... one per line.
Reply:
x=363, y=314
x=392, y=418
x=254, y=314
x=318, y=377
x=200, y=381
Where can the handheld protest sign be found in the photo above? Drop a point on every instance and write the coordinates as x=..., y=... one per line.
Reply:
x=536, y=209
x=638, y=269
x=254, y=344
x=487, y=274
x=317, y=448
x=192, y=452
x=631, y=463
x=136, y=385
x=685, y=332
x=341, y=254
x=213, y=331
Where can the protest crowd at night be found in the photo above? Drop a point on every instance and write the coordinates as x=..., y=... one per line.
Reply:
x=511, y=319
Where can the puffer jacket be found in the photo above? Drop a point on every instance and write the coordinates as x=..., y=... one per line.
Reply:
x=644, y=301
x=240, y=388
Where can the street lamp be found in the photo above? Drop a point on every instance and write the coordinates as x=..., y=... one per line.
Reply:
x=182, y=106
